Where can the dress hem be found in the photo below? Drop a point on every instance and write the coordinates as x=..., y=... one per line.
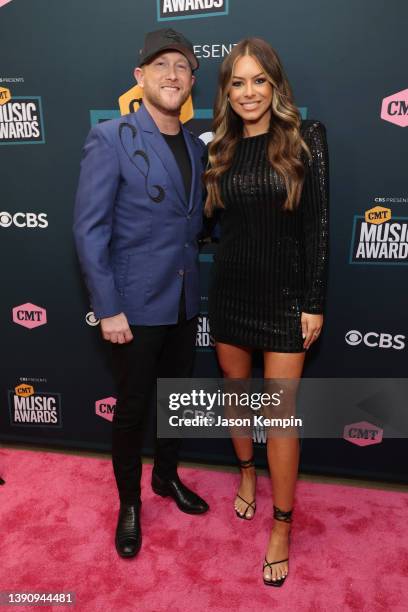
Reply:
x=237, y=342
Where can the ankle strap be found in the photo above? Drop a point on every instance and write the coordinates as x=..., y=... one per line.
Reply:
x=246, y=464
x=280, y=515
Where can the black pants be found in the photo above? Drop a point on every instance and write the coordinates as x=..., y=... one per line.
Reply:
x=155, y=351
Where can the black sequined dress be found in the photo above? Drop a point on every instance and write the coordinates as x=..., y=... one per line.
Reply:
x=270, y=264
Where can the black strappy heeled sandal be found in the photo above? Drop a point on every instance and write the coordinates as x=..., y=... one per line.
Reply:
x=243, y=465
x=278, y=515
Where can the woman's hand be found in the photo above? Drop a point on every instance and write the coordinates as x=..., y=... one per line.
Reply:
x=311, y=328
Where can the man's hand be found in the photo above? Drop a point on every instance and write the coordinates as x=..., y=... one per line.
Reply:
x=116, y=329
x=311, y=328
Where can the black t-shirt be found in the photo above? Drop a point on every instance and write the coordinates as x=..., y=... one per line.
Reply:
x=178, y=146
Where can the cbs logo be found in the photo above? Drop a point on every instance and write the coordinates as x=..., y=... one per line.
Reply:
x=91, y=319
x=375, y=340
x=21, y=219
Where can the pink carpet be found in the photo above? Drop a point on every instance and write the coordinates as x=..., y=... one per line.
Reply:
x=349, y=545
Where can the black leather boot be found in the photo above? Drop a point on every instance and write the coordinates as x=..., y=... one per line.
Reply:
x=128, y=538
x=186, y=500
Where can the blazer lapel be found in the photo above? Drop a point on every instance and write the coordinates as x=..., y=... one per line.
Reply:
x=195, y=167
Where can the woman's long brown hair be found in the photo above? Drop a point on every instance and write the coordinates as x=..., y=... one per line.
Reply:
x=285, y=140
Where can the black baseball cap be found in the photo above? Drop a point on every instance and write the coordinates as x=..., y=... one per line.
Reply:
x=163, y=39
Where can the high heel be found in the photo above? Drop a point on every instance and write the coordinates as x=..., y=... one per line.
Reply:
x=243, y=465
x=278, y=515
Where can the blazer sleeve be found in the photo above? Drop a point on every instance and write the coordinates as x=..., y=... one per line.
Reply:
x=315, y=218
x=98, y=183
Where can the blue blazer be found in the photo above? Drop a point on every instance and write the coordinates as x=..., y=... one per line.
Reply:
x=135, y=231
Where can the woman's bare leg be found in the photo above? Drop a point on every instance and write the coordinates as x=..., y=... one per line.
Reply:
x=283, y=461
x=236, y=362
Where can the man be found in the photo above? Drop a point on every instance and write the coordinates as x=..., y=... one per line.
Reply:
x=137, y=216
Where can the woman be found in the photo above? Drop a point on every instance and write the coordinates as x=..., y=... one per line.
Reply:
x=268, y=174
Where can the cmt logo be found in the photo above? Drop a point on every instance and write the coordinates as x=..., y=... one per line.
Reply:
x=189, y=9
x=395, y=108
x=24, y=390
x=105, y=408
x=5, y=95
x=21, y=219
x=31, y=408
x=363, y=434
x=377, y=215
x=29, y=315
x=379, y=238
x=21, y=119
x=375, y=340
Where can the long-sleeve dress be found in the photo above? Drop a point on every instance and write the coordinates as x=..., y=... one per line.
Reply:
x=270, y=264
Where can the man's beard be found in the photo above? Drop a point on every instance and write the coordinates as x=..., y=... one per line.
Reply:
x=158, y=103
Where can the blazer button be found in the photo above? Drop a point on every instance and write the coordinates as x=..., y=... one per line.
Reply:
x=181, y=272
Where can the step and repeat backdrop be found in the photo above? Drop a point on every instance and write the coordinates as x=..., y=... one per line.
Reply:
x=63, y=67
